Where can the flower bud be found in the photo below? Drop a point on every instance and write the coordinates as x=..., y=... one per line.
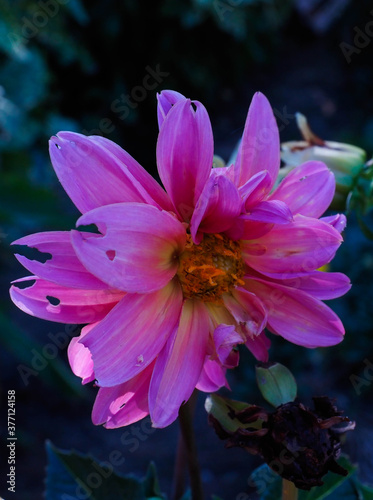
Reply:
x=345, y=160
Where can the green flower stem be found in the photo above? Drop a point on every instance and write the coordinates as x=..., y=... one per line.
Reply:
x=187, y=454
x=289, y=490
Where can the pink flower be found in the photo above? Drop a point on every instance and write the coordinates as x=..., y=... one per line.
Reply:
x=176, y=279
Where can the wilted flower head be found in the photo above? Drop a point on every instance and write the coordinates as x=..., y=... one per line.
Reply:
x=176, y=278
x=300, y=444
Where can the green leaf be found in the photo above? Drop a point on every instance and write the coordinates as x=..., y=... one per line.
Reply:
x=269, y=485
x=151, y=483
x=331, y=482
x=276, y=383
x=71, y=475
x=221, y=409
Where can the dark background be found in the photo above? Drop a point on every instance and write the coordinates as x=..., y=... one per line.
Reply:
x=63, y=66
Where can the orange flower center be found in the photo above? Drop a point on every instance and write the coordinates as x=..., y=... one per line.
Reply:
x=209, y=269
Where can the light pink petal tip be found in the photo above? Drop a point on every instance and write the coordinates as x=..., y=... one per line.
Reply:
x=123, y=404
x=179, y=365
x=166, y=99
x=132, y=334
x=137, y=253
x=80, y=358
x=61, y=266
x=53, y=302
x=212, y=377
x=307, y=189
x=185, y=154
x=96, y=172
x=260, y=145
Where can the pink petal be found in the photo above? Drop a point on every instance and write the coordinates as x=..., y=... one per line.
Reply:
x=138, y=252
x=96, y=172
x=255, y=189
x=338, y=221
x=297, y=316
x=247, y=310
x=272, y=212
x=245, y=229
x=307, y=189
x=149, y=189
x=74, y=305
x=179, y=364
x=123, y=404
x=260, y=146
x=184, y=154
x=321, y=285
x=131, y=336
x=259, y=346
x=225, y=339
x=217, y=207
x=166, y=99
x=212, y=377
x=80, y=358
x=293, y=249
x=64, y=267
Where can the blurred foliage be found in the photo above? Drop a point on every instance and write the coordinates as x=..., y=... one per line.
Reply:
x=64, y=63
x=73, y=475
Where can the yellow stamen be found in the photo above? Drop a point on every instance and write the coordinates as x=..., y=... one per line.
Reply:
x=209, y=269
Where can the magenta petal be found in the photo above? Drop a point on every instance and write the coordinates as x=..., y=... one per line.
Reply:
x=247, y=310
x=131, y=336
x=184, y=154
x=212, y=377
x=297, y=316
x=166, y=99
x=225, y=339
x=217, y=207
x=96, y=172
x=64, y=268
x=245, y=229
x=272, y=212
x=338, y=221
x=260, y=146
x=123, y=404
x=139, y=250
x=307, y=189
x=321, y=285
x=53, y=302
x=259, y=346
x=179, y=364
x=80, y=358
x=255, y=189
x=293, y=249
x=137, y=177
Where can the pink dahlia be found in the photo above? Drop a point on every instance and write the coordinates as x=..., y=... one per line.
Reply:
x=176, y=278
